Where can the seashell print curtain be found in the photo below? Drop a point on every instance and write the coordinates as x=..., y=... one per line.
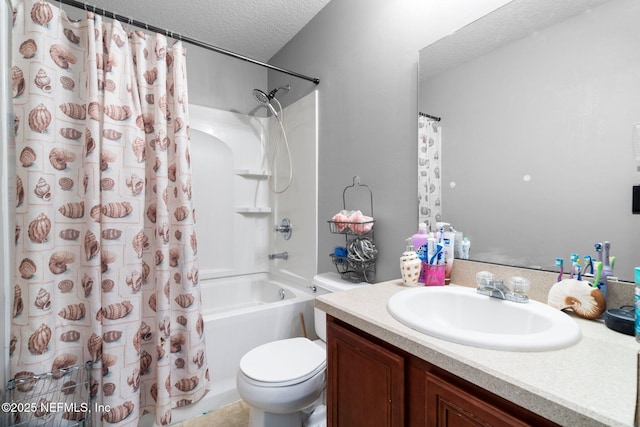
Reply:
x=429, y=165
x=106, y=252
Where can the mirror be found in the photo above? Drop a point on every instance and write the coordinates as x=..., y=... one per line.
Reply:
x=539, y=103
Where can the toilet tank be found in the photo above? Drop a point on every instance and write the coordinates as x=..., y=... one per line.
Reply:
x=324, y=284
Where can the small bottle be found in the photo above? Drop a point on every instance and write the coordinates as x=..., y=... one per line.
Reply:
x=410, y=265
x=457, y=243
x=466, y=245
x=637, y=303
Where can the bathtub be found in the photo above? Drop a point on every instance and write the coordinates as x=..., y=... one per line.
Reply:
x=239, y=314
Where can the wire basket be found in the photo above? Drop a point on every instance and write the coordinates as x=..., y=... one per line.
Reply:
x=352, y=228
x=59, y=398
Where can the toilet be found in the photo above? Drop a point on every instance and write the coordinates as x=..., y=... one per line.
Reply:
x=283, y=381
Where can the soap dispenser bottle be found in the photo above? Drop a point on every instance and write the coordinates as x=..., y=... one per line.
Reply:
x=410, y=265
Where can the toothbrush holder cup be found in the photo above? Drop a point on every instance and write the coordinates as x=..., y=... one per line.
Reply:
x=434, y=274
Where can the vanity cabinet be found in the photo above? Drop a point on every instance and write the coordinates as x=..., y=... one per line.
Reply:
x=372, y=383
x=365, y=382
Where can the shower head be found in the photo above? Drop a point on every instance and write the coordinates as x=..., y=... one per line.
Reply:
x=265, y=98
x=261, y=97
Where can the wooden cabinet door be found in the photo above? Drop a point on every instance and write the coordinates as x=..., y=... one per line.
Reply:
x=365, y=382
x=451, y=406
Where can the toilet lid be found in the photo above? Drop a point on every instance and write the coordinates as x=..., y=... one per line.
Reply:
x=284, y=361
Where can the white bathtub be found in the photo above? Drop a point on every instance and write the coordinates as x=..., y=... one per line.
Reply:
x=239, y=314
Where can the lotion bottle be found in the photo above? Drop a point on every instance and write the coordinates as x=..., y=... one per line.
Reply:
x=410, y=265
x=447, y=243
x=420, y=238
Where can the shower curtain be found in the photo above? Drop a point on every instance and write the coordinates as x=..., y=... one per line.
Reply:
x=429, y=165
x=106, y=253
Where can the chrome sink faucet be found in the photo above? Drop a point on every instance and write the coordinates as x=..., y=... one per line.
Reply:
x=515, y=291
x=492, y=288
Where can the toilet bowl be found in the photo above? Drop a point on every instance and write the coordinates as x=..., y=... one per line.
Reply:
x=282, y=381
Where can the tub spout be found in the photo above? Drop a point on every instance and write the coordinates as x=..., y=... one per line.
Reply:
x=280, y=255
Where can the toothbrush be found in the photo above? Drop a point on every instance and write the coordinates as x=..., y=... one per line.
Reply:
x=607, y=248
x=573, y=259
x=606, y=268
x=560, y=263
x=433, y=259
x=588, y=263
x=579, y=270
x=598, y=273
x=431, y=249
x=598, y=247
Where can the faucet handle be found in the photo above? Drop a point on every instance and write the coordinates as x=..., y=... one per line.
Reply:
x=484, y=278
x=519, y=285
x=285, y=227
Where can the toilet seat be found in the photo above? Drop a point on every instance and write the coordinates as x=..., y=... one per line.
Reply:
x=284, y=362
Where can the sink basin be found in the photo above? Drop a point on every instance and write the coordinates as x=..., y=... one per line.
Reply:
x=459, y=314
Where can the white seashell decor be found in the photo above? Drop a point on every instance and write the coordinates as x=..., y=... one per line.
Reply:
x=586, y=301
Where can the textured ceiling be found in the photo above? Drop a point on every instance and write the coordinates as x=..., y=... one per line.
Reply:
x=254, y=28
x=516, y=20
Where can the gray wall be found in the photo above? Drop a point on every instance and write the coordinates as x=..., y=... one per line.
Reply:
x=365, y=52
x=222, y=82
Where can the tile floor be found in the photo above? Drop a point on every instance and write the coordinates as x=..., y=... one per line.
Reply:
x=234, y=415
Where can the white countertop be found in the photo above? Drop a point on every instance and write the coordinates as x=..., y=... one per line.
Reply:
x=592, y=383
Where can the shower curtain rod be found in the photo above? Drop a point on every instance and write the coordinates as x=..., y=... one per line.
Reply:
x=429, y=116
x=189, y=40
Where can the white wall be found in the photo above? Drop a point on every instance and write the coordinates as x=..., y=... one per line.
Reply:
x=365, y=53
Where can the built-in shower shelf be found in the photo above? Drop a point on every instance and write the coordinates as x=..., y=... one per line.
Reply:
x=251, y=173
x=253, y=210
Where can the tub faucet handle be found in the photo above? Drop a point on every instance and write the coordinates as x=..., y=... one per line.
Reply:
x=285, y=227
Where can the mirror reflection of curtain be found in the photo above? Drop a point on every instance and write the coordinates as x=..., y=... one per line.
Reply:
x=429, y=165
x=105, y=242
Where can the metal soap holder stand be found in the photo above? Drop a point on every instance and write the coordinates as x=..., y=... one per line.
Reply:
x=349, y=267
